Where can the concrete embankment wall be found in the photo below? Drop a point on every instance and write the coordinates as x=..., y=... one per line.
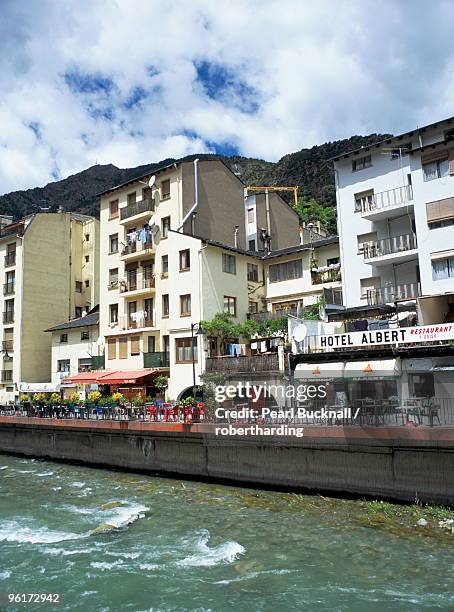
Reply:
x=393, y=462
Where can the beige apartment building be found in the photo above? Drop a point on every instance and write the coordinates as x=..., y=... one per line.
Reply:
x=177, y=247
x=49, y=265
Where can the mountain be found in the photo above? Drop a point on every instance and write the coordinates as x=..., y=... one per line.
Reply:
x=308, y=168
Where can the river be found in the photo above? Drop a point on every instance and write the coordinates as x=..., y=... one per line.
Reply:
x=107, y=541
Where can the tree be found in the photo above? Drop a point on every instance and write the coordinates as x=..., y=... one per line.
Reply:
x=311, y=211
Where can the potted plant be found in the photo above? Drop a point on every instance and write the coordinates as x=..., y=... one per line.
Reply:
x=161, y=383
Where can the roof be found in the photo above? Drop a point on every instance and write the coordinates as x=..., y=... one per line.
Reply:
x=88, y=377
x=392, y=140
x=302, y=247
x=90, y=319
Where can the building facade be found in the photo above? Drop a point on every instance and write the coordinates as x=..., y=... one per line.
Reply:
x=395, y=205
x=49, y=266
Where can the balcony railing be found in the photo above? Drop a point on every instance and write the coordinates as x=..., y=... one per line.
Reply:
x=7, y=345
x=7, y=375
x=10, y=259
x=8, y=316
x=98, y=362
x=393, y=293
x=330, y=276
x=137, y=322
x=137, y=281
x=333, y=297
x=137, y=208
x=136, y=247
x=8, y=288
x=387, y=200
x=389, y=246
x=268, y=315
x=156, y=360
x=255, y=363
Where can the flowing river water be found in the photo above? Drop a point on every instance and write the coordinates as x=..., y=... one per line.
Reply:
x=107, y=540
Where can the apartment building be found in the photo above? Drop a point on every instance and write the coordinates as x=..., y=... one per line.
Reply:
x=396, y=222
x=49, y=266
x=175, y=248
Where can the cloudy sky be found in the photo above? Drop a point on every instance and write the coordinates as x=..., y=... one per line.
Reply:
x=134, y=81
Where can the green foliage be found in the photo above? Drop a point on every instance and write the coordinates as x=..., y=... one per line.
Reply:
x=137, y=401
x=161, y=382
x=94, y=396
x=221, y=326
x=38, y=398
x=311, y=211
x=55, y=398
x=118, y=398
x=312, y=312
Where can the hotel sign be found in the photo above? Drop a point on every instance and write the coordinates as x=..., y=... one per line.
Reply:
x=383, y=337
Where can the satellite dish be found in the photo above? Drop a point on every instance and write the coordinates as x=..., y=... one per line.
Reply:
x=100, y=341
x=299, y=333
x=152, y=181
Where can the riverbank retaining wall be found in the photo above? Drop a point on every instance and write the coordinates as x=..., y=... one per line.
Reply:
x=396, y=462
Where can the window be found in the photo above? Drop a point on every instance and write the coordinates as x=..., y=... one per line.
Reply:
x=135, y=345
x=148, y=309
x=252, y=245
x=435, y=169
x=78, y=312
x=85, y=335
x=369, y=286
x=113, y=243
x=87, y=283
x=165, y=189
x=250, y=215
x=111, y=348
x=185, y=305
x=113, y=313
x=286, y=271
x=228, y=263
x=87, y=237
x=78, y=286
x=84, y=364
x=165, y=305
x=185, y=260
x=165, y=226
x=252, y=273
x=443, y=267
x=440, y=212
x=63, y=365
x=113, y=278
x=364, y=201
x=183, y=350
x=361, y=163
x=87, y=258
x=122, y=348
x=151, y=344
x=113, y=209
x=10, y=280
x=230, y=305
x=332, y=261
x=63, y=338
x=132, y=197
x=164, y=266
x=253, y=307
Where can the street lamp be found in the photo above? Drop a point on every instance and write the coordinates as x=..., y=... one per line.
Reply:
x=199, y=332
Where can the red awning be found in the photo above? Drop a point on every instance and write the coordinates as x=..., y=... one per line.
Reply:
x=127, y=377
x=88, y=377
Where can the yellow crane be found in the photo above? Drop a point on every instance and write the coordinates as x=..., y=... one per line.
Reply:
x=267, y=188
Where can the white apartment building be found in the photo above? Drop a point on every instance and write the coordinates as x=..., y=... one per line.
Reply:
x=175, y=248
x=395, y=202
x=49, y=266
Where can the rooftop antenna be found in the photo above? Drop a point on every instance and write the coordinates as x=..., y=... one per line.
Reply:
x=151, y=181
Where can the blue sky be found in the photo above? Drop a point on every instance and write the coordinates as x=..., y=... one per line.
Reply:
x=134, y=81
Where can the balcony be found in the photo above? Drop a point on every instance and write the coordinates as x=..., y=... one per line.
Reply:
x=136, y=285
x=138, y=210
x=397, y=249
x=156, y=360
x=8, y=288
x=7, y=345
x=243, y=364
x=387, y=204
x=268, y=315
x=7, y=375
x=8, y=316
x=10, y=259
x=136, y=251
x=393, y=293
x=326, y=276
x=136, y=321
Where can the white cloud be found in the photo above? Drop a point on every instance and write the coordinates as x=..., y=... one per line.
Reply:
x=293, y=73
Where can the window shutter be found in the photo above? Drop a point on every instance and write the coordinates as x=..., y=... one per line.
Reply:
x=451, y=161
x=435, y=156
x=135, y=345
x=123, y=348
x=440, y=210
x=111, y=348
